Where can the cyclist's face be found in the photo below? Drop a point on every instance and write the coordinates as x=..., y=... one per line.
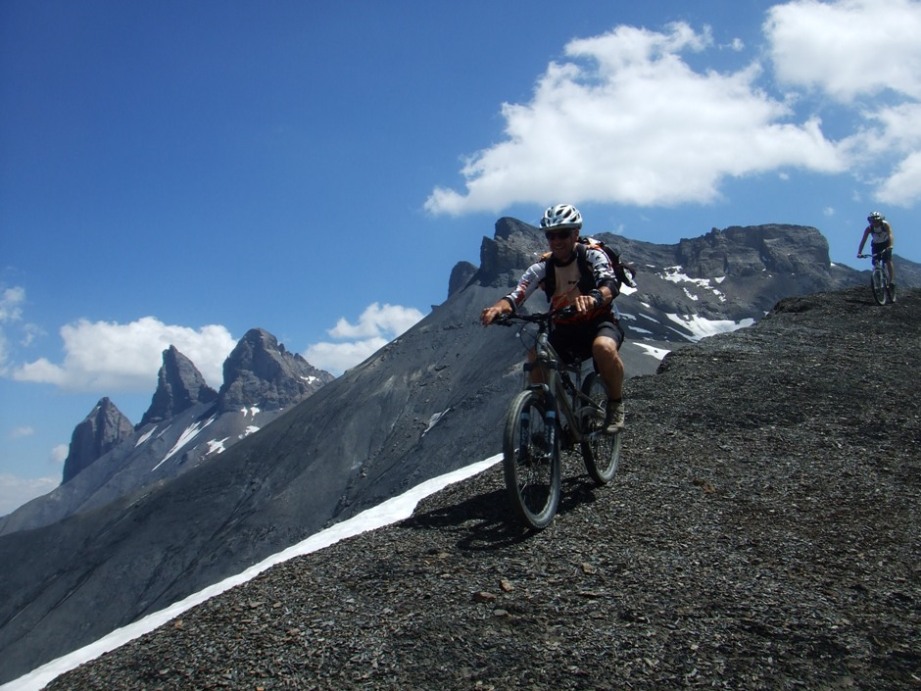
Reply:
x=562, y=243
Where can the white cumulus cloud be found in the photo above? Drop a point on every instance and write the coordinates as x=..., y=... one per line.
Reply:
x=376, y=326
x=904, y=185
x=59, y=453
x=109, y=356
x=627, y=120
x=376, y=320
x=849, y=48
x=865, y=54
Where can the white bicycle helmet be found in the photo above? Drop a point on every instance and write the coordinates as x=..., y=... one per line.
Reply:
x=561, y=216
x=875, y=217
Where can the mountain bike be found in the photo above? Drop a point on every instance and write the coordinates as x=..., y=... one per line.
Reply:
x=566, y=409
x=883, y=291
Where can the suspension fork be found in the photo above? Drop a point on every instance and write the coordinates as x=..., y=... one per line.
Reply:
x=555, y=404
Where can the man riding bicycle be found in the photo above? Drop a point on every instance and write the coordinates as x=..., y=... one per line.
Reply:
x=581, y=276
x=881, y=244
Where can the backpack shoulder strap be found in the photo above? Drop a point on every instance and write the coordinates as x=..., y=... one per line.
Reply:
x=625, y=272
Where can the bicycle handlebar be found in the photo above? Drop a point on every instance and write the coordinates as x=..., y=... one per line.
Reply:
x=537, y=317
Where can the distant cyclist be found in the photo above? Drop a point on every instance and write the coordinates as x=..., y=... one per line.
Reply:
x=881, y=243
x=573, y=274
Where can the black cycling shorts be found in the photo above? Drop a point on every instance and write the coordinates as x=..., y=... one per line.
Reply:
x=883, y=249
x=573, y=342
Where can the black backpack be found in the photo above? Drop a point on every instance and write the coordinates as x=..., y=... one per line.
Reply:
x=625, y=273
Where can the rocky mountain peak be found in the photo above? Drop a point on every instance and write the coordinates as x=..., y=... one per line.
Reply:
x=461, y=274
x=179, y=386
x=261, y=372
x=516, y=246
x=102, y=430
x=740, y=251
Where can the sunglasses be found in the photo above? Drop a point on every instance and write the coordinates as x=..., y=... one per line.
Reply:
x=557, y=234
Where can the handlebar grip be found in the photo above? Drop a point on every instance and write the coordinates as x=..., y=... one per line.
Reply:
x=566, y=311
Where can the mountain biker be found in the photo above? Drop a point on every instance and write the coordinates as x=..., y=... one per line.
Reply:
x=584, y=278
x=881, y=244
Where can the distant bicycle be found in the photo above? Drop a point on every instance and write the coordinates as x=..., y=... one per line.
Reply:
x=883, y=291
x=565, y=409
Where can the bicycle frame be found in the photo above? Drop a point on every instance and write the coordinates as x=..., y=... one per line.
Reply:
x=561, y=382
x=878, y=262
x=569, y=406
x=562, y=392
x=879, y=279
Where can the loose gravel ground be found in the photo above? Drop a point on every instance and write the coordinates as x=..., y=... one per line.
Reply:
x=762, y=533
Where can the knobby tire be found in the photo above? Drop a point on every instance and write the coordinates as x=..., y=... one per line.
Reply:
x=879, y=286
x=532, y=471
x=601, y=452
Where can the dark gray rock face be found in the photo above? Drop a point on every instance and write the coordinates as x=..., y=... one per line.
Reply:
x=179, y=386
x=429, y=402
x=184, y=428
x=732, y=274
x=103, y=429
x=516, y=246
x=460, y=276
x=260, y=372
x=746, y=251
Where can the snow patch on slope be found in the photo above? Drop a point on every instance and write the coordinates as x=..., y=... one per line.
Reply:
x=188, y=435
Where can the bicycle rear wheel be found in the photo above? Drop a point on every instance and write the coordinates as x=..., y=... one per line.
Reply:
x=878, y=284
x=531, y=462
x=600, y=451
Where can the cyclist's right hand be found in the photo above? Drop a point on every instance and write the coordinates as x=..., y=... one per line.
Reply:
x=491, y=314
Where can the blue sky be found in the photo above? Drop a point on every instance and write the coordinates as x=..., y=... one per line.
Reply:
x=177, y=172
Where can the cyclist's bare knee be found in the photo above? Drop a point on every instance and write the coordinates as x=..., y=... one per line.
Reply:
x=604, y=349
x=610, y=366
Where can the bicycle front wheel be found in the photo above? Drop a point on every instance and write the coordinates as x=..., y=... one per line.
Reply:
x=600, y=451
x=531, y=460
x=878, y=283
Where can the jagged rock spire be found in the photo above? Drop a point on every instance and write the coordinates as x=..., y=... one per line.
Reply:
x=260, y=372
x=102, y=430
x=460, y=275
x=515, y=247
x=179, y=386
